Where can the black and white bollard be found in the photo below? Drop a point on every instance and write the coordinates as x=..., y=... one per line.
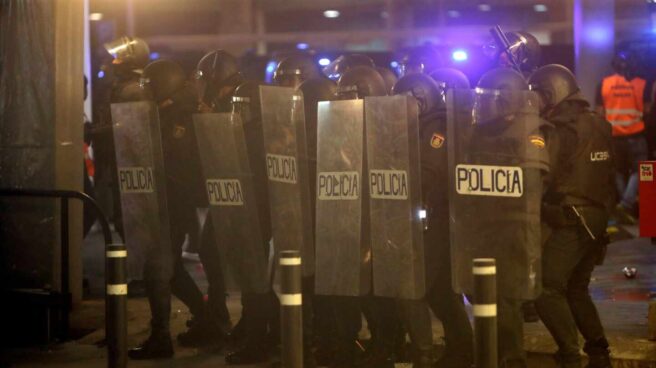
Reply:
x=291, y=314
x=116, y=305
x=485, y=312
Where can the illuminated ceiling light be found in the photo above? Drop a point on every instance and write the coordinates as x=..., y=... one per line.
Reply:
x=96, y=16
x=460, y=55
x=453, y=14
x=324, y=61
x=331, y=13
x=302, y=46
x=484, y=7
x=540, y=8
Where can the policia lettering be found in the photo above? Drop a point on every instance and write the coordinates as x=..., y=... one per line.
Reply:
x=338, y=185
x=224, y=192
x=388, y=184
x=136, y=179
x=281, y=168
x=485, y=180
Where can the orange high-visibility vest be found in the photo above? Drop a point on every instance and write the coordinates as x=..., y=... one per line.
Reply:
x=624, y=104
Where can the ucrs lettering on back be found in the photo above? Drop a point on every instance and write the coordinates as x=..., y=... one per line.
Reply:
x=388, y=184
x=338, y=185
x=485, y=180
x=281, y=168
x=224, y=192
x=136, y=179
x=599, y=156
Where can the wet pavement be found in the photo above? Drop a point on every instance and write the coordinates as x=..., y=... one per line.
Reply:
x=623, y=305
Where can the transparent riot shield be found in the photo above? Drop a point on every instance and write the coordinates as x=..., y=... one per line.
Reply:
x=343, y=262
x=231, y=194
x=141, y=181
x=497, y=159
x=285, y=145
x=395, y=196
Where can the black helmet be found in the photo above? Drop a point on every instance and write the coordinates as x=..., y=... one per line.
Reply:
x=555, y=84
x=131, y=52
x=526, y=50
x=318, y=89
x=423, y=59
x=216, y=67
x=498, y=95
x=389, y=77
x=359, y=82
x=295, y=69
x=134, y=91
x=345, y=62
x=422, y=87
x=246, y=101
x=449, y=78
x=164, y=77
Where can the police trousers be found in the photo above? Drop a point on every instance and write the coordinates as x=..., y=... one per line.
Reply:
x=565, y=305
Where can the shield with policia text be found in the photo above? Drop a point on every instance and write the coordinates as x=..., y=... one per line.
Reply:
x=497, y=159
x=141, y=181
x=343, y=262
x=231, y=194
x=395, y=196
x=286, y=156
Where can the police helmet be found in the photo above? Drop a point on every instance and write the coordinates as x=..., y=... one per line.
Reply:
x=295, y=69
x=555, y=84
x=389, y=77
x=164, y=77
x=498, y=95
x=343, y=63
x=359, y=82
x=423, y=59
x=450, y=78
x=217, y=67
x=131, y=52
x=246, y=100
x=422, y=87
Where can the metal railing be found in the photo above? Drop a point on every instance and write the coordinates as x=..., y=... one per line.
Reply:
x=115, y=303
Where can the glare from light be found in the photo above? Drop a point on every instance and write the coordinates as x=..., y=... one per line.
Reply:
x=394, y=64
x=453, y=14
x=302, y=46
x=324, y=61
x=460, y=55
x=96, y=16
x=540, y=8
x=154, y=55
x=331, y=13
x=484, y=7
x=101, y=74
x=271, y=67
x=422, y=214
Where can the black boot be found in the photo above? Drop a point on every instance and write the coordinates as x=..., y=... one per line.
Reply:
x=202, y=333
x=156, y=347
x=598, y=353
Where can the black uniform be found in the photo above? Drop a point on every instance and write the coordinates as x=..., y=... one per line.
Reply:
x=575, y=208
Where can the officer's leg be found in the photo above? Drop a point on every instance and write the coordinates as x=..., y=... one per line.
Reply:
x=324, y=329
x=561, y=254
x=416, y=318
x=449, y=308
x=217, y=310
x=383, y=312
x=255, y=348
x=308, y=321
x=510, y=332
x=584, y=311
x=346, y=311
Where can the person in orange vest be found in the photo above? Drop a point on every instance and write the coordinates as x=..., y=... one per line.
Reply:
x=623, y=99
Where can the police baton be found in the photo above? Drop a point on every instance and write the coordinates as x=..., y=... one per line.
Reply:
x=485, y=312
x=116, y=307
x=504, y=45
x=291, y=313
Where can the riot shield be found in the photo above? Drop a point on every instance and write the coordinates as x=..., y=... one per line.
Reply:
x=285, y=145
x=231, y=194
x=395, y=196
x=497, y=158
x=343, y=262
x=141, y=181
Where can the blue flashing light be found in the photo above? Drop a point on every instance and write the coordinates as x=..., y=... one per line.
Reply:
x=394, y=64
x=101, y=74
x=324, y=61
x=459, y=55
x=154, y=55
x=598, y=35
x=271, y=67
x=302, y=46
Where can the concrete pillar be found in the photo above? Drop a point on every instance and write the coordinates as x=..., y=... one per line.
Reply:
x=40, y=137
x=594, y=42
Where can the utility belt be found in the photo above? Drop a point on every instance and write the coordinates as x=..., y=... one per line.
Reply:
x=566, y=215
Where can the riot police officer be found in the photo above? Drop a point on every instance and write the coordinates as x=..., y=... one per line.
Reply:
x=164, y=272
x=576, y=210
x=389, y=77
x=343, y=63
x=217, y=76
x=423, y=59
x=294, y=70
x=446, y=304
